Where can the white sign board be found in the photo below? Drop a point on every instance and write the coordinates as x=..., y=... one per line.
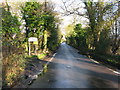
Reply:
x=32, y=39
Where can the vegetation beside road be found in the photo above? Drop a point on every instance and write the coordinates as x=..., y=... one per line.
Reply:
x=32, y=19
x=100, y=39
x=112, y=61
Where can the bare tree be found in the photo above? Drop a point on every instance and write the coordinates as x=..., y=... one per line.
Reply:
x=116, y=33
x=72, y=7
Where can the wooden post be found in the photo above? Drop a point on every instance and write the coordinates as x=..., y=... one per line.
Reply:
x=35, y=48
x=29, y=48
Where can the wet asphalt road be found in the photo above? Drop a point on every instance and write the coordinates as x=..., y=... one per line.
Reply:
x=69, y=69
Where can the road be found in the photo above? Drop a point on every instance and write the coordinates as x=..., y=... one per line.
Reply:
x=69, y=69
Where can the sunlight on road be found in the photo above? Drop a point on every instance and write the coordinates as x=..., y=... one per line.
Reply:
x=63, y=43
x=69, y=69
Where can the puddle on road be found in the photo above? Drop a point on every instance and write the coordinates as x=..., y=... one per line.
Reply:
x=98, y=82
x=51, y=81
x=68, y=66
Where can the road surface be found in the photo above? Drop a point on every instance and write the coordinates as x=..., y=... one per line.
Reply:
x=69, y=69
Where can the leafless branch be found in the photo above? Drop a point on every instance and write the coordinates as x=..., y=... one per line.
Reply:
x=64, y=3
x=71, y=3
x=72, y=11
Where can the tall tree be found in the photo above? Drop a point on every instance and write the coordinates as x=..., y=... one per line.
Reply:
x=10, y=24
x=101, y=17
x=40, y=22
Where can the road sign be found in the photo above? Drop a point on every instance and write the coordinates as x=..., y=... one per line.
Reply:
x=32, y=39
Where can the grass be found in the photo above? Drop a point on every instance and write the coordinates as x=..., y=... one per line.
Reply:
x=41, y=56
x=110, y=60
x=106, y=59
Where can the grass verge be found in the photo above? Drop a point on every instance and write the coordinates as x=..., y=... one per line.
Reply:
x=112, y=61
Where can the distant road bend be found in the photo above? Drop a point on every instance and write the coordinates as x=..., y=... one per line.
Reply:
x=69, y=69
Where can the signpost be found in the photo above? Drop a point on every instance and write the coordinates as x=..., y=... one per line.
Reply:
x=34, y=40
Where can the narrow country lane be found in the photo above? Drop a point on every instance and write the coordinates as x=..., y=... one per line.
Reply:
x=69, y=69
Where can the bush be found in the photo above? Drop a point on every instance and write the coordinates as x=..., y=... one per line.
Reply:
x=13, y=67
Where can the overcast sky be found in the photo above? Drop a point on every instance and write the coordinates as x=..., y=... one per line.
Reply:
x=66, y=20
x=70, y=18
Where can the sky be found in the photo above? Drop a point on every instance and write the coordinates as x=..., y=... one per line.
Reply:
x=58, y=4
x=69, y=19
x=66, y=20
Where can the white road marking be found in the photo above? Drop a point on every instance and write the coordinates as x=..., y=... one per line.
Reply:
x=54, y=54
x=95, y=61
x=114, y=71
x=51, y=58
x=117, y=72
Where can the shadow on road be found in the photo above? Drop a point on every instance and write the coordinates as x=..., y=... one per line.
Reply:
x=95, y=78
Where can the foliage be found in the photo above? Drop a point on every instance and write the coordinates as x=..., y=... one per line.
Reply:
x=97, y=36
x=39, y=23
x=101, y=39
x=13, y=66
x=111, y=60
x=32, y=16
x=78, y=38
x=10, y=26
x=41, y=56
x=101, y=20
x=69, y=29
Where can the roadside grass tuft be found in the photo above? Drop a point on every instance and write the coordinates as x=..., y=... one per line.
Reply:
x=41, y=56
x=112, y=60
